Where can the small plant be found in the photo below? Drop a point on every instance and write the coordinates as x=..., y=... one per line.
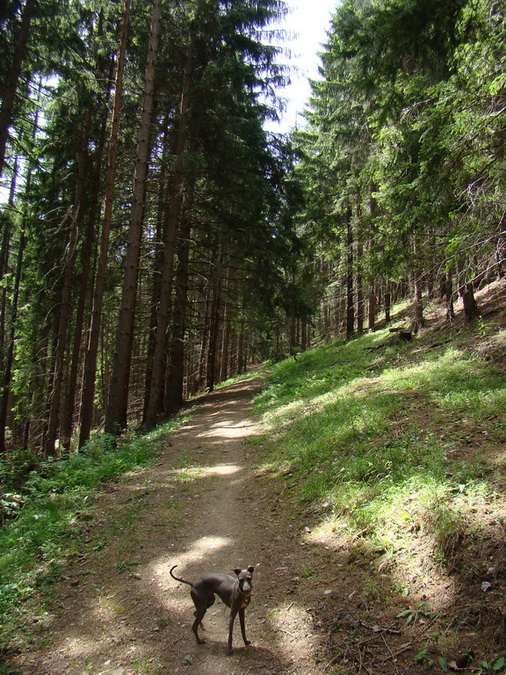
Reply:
x=413, y=614
x=163, y=622
x=307, y=572
x=126, y=565
x=423, y=658
x=486, y=668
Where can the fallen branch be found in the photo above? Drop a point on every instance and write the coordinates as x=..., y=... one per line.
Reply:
x=394, y=655
x=380, y=629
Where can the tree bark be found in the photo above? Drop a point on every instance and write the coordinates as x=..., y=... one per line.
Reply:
x=57, y=403
x=4, y=258
x=471, y=311
x=174, y=395
x=500, y=250
x=418, y=318
x=116, y=416
x=448, y=293
x=206, y=332
x=213, y=336
x=69, y=402
x=388, y=300
x=61, y=340
x=90, y=366
x=360, y=291
x=176, y=199
x=4, y=402
x=350, y=308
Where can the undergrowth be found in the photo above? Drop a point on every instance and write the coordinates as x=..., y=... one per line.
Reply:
x=43, y=516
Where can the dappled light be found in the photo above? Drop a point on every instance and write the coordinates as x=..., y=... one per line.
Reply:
x=376, y=519
x=202, y=547
x=404, y=468
x=229, y=428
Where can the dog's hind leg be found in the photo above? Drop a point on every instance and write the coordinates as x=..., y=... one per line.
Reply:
x=200, y=610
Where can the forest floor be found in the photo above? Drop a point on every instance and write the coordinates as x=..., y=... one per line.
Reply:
x=318, y=606
x=205, y=507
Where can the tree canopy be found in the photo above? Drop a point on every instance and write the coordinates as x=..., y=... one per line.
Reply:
x=155, y=239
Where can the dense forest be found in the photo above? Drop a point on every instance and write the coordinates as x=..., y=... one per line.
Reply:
x=155, y=239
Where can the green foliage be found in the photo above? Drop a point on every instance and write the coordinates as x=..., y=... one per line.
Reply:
x=407, y=131
x=15, y=467
x=357, y=432
x=53, y=503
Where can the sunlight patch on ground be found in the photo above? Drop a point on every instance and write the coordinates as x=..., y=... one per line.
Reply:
x=410, y=544
x=229, y=428
x=79, y=646
x=198, y=551
x=287, y=412
x=107, y=608
x=400, y=573
x=358, y=387
x=221, y=470
x=293, y=629
x=194, y=472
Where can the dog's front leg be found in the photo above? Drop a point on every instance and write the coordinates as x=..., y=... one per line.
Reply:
x=243, y=627
x=230, y=630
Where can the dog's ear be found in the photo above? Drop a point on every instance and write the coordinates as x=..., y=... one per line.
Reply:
x=251, y=569
x=237, y=570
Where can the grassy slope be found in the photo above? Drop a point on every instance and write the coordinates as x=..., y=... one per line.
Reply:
x=400, y=452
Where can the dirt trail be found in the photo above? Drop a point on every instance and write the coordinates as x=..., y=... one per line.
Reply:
x=120, y=613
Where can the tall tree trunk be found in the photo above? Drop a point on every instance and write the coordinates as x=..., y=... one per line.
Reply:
x=57, y=404
x=90, y=366
x=224, y=352
x=174, y=394
x=448, y=293
x=471, y=311
x=360, y=291
x=116, y=416
x=11, y=86
x=6, y=384
x=350, y=308
x=418, y=318
x=69, y=402
x=206, y=332
x=500, y=250
x=371, y=307
x=9, y=359
x=388, y=301
x=61, y=340
x=4, y=258
x=213, y=336
x=159, y=257
x=176, y=198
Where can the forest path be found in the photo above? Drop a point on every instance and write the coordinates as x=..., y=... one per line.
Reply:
x=206, y=507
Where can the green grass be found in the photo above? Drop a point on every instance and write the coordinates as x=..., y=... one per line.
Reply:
x=53, y=502
x=375, y=436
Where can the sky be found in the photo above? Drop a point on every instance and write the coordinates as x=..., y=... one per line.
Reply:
x=307, y=21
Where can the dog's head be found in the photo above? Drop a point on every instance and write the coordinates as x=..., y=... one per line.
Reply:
x=245, y=578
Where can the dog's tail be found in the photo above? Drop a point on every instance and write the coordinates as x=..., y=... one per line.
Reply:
x=178, y=578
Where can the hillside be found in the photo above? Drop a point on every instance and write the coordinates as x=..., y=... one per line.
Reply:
x=397, y=452
x=366, y=485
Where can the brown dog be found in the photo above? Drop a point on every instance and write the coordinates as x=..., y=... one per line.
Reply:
x=234, y=591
